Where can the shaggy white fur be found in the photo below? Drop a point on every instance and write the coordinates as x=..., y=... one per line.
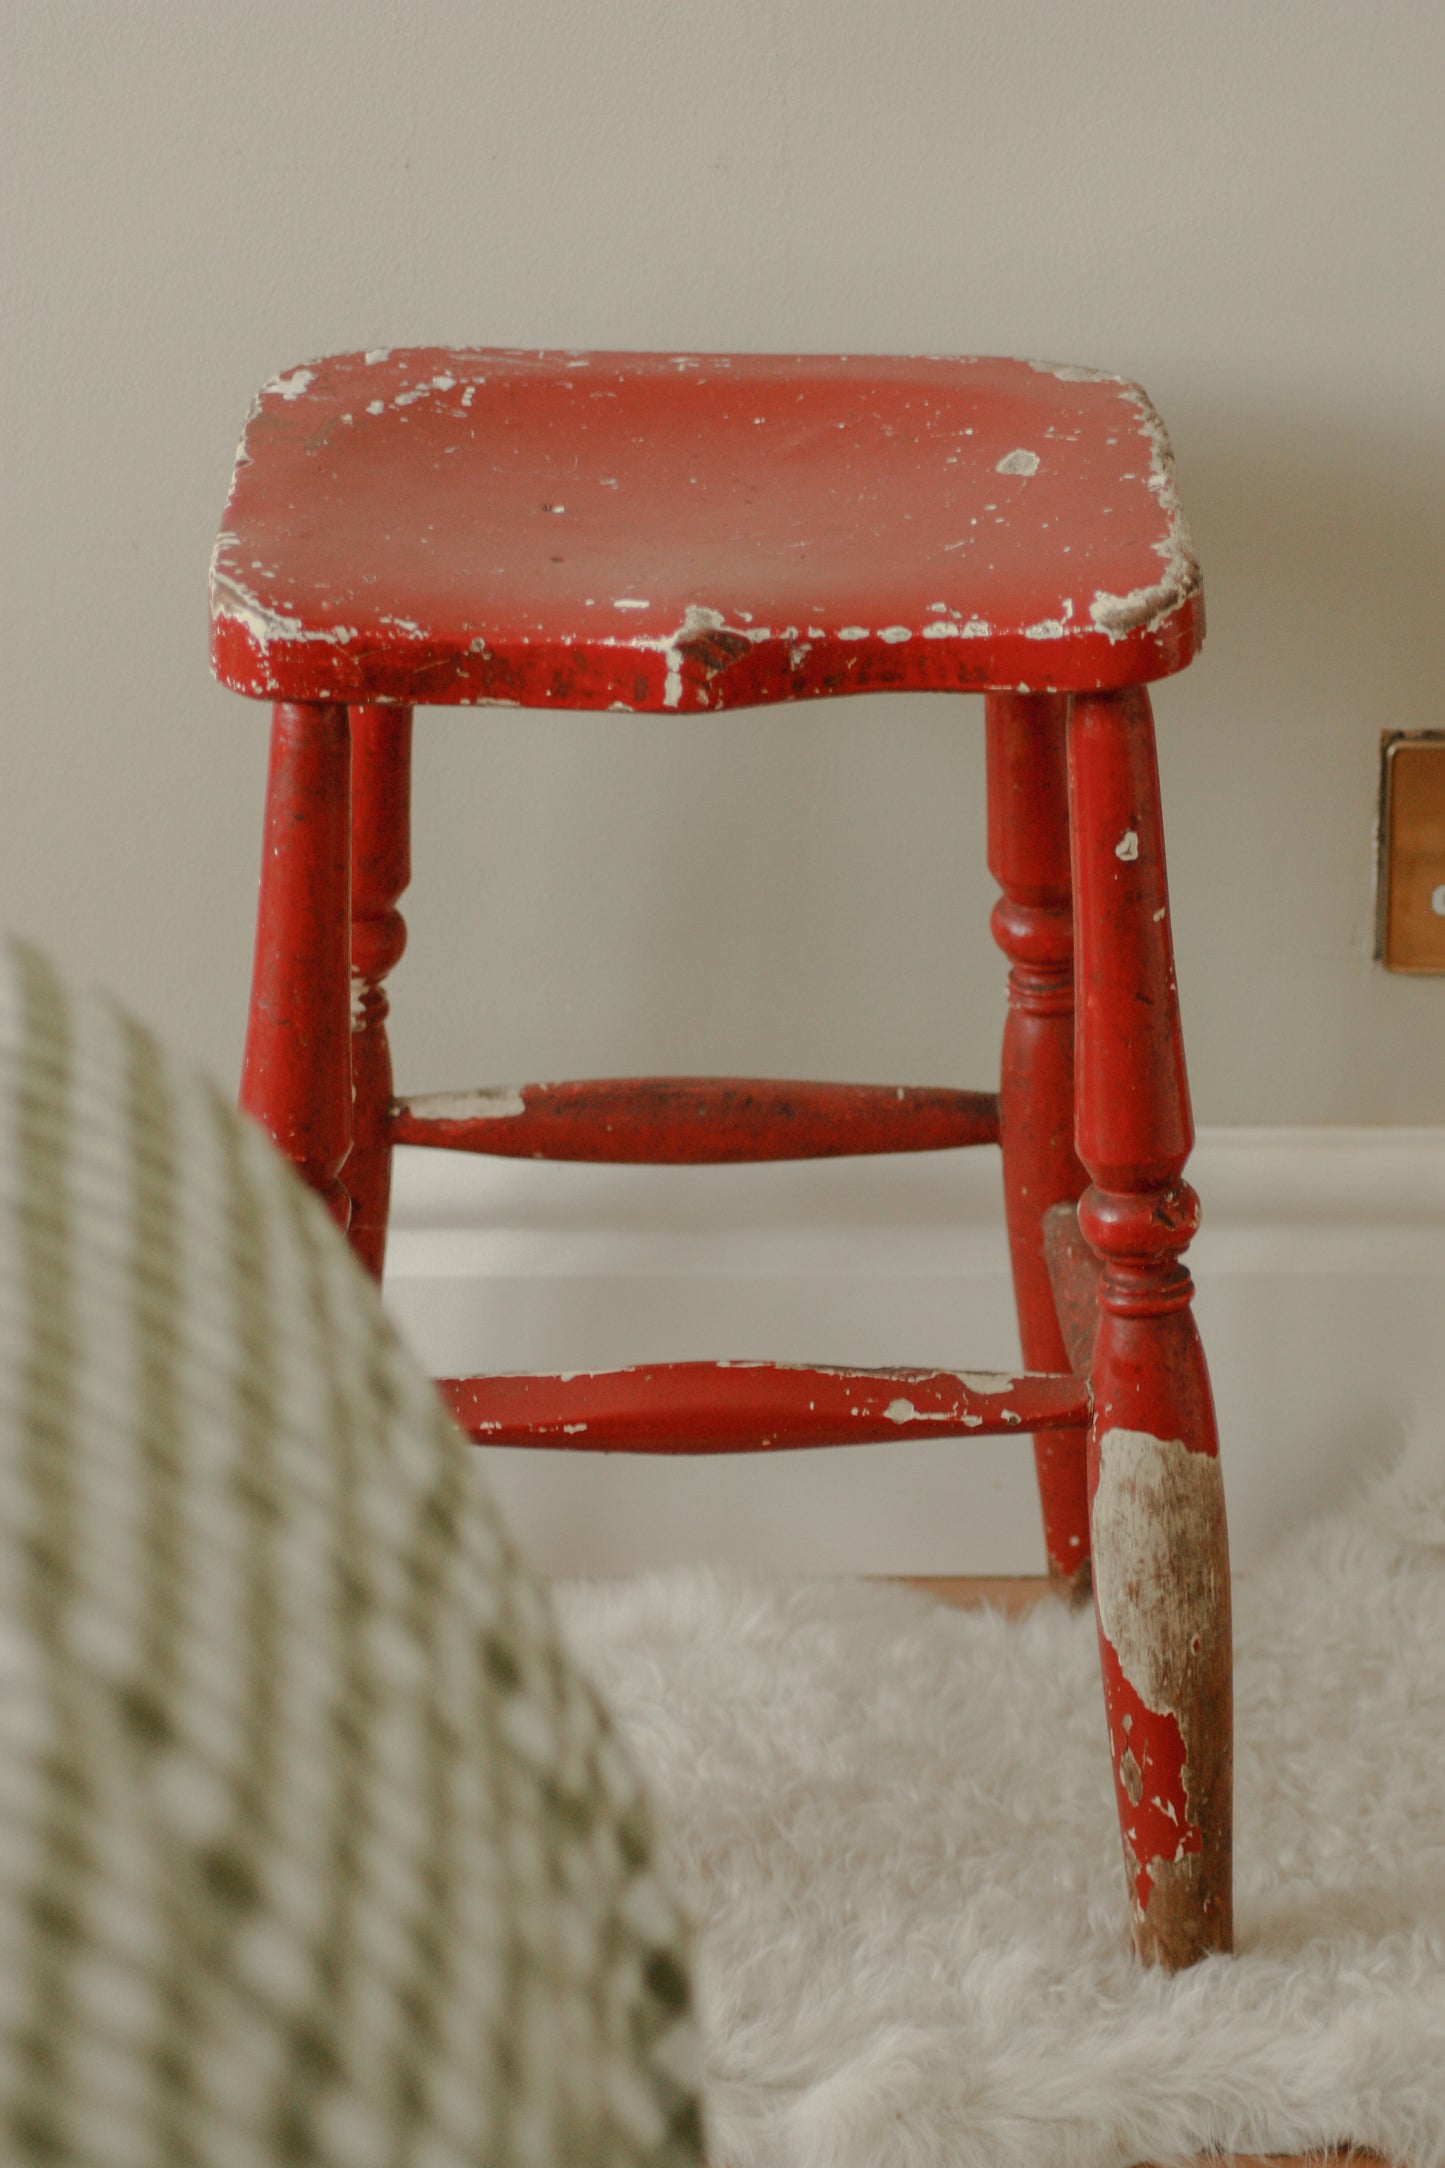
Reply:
x=894, y=1825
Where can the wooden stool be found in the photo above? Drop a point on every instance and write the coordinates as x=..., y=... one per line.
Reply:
x=672, y=533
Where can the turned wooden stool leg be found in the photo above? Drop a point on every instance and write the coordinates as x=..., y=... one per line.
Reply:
x=1028, y=855
x=1160, y=1553
x=296, y=1078
x=380, y=870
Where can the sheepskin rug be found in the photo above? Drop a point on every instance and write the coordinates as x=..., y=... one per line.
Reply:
x=893, y=1824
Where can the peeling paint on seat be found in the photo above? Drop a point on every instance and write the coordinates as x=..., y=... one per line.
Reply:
x=440, y=526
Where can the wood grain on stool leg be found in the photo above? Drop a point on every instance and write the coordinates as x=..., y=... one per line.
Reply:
x=1161, y=1561
x=1028, y=855
x=296, y=1077
x=380, y=871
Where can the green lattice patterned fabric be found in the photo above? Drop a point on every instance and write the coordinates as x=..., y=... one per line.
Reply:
x=314, y=1846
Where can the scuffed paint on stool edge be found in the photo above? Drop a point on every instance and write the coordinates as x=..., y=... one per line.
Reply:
x=1144, y=607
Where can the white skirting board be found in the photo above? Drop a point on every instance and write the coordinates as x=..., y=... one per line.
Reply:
x=1321, y=1276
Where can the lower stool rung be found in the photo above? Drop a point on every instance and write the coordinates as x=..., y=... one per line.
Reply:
x=743, y=1407
x=697, y=1121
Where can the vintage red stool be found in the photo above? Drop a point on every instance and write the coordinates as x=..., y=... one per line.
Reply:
x=675, y=533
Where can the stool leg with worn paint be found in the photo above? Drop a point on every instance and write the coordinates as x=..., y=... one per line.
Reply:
x=1160, y=1551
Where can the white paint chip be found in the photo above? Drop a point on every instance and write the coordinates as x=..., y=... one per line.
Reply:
x=499, y=1104
x=1127, y=846
x=1019, y=462
x=292, y=386
x=696, y=618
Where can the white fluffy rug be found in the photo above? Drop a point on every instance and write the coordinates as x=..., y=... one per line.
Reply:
x=894, y=1825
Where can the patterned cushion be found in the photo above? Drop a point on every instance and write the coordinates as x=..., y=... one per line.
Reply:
x=314, y=1846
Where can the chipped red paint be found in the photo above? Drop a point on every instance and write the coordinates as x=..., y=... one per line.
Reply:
x=753, y=1407
x=674, y=532
x=1149, y=1780
x=380, y=871
x=1028, y=855
x=701, y=1121
x=686, y=532
x=1151, y=1386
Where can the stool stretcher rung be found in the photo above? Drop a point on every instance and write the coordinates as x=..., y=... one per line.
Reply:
x=697, y=1121
x=744, y=1407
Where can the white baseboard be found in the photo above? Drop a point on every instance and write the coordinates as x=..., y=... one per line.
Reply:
x=1321, y=1273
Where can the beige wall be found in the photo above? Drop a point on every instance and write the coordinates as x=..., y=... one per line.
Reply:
x=1238, y=202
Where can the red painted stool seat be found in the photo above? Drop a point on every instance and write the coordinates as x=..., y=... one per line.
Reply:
x=673, y=533
x=677, y=532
